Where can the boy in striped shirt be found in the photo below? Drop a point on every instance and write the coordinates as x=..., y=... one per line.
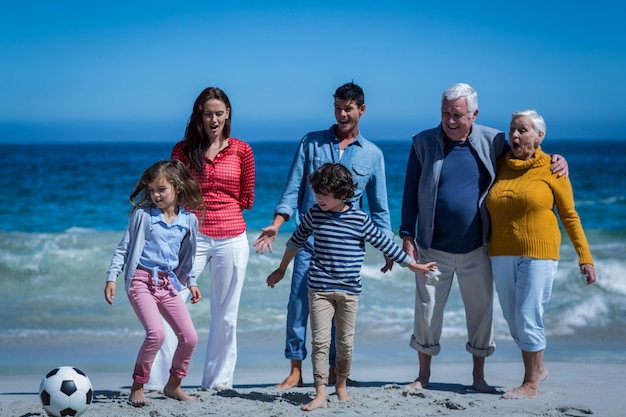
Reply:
x=340, y=231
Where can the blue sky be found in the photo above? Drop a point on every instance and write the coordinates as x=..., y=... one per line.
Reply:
x=76, y=70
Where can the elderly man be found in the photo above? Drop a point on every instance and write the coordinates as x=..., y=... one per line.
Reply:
x=450, y=170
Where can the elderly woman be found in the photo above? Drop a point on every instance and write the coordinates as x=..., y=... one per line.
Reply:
x=525, y=240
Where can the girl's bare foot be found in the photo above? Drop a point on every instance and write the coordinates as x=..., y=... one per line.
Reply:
x=137, y=397
x=318, y=402
x=177, y=393
x=173, y=390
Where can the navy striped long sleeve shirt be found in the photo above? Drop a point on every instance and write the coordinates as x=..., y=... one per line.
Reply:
x=339, y=247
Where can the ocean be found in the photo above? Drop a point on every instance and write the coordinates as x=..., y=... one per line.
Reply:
x=67, y=207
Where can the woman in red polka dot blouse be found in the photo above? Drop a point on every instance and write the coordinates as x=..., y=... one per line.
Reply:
x=224, y=168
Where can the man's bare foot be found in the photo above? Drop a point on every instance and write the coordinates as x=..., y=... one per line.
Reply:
x=481, y=385
x=543, y=374
x=415, y=385
x=525, y=391
x=137, y=397
x=293, y=380
x=318, y=402
x=295, y=376
x=177, y=393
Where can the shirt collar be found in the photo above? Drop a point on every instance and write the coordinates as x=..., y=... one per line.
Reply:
x=157, y=216
x=357, y=141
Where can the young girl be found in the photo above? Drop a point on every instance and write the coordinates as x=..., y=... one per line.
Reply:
x=340, y=231
x=157, y=249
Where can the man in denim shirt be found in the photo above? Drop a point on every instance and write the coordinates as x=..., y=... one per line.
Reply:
x=343, y=144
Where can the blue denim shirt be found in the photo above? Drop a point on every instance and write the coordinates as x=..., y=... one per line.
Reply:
x=365, y=162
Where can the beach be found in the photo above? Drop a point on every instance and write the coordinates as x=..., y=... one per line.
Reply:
x=53, y=268
x=575, y=386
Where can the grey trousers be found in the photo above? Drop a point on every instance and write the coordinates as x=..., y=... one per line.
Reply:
x=475, y=279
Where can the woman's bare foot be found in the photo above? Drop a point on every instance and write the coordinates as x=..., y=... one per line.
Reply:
x=415, y=385
x=137, y=397
x=527, y=390
x=318, y=402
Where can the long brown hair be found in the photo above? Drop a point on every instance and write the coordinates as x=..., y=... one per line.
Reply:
x=196, y=140
x=187, y=189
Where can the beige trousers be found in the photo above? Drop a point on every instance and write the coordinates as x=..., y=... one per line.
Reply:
x=324, y=308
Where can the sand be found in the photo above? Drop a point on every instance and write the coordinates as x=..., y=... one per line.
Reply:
x=572, y=389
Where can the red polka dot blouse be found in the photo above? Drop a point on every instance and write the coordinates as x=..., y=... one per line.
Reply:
x=227, y=186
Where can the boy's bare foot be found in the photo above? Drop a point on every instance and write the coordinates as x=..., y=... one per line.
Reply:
x=525, y=391
x=318, y=402
x=177, y=393
x=137, y=397
x=481, y=385
x=342, y=394
x=332, y=378
x=415, y=385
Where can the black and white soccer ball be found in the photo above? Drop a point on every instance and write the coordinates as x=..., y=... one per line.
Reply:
x=65, y=391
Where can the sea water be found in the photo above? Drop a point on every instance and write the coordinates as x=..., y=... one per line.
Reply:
x=66, y=208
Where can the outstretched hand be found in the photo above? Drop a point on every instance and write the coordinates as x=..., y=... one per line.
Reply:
x=265, y=239
x=423, y=269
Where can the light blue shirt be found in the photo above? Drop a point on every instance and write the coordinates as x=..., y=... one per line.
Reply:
x=365, y=162
x=129, y=250
x=160, y=253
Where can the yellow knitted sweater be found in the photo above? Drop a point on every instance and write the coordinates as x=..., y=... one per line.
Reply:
x=521, y=206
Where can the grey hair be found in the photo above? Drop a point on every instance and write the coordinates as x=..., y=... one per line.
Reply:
x=535, y=119
x=462, y=90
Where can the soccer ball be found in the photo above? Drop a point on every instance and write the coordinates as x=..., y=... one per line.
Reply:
x=65, y=391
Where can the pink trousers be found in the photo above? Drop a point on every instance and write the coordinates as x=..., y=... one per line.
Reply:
x=151, y=301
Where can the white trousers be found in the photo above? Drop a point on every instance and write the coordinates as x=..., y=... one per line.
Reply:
x=227, y=259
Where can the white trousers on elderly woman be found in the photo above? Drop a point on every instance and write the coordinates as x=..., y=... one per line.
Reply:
x=160, y=372
x=227, y=259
